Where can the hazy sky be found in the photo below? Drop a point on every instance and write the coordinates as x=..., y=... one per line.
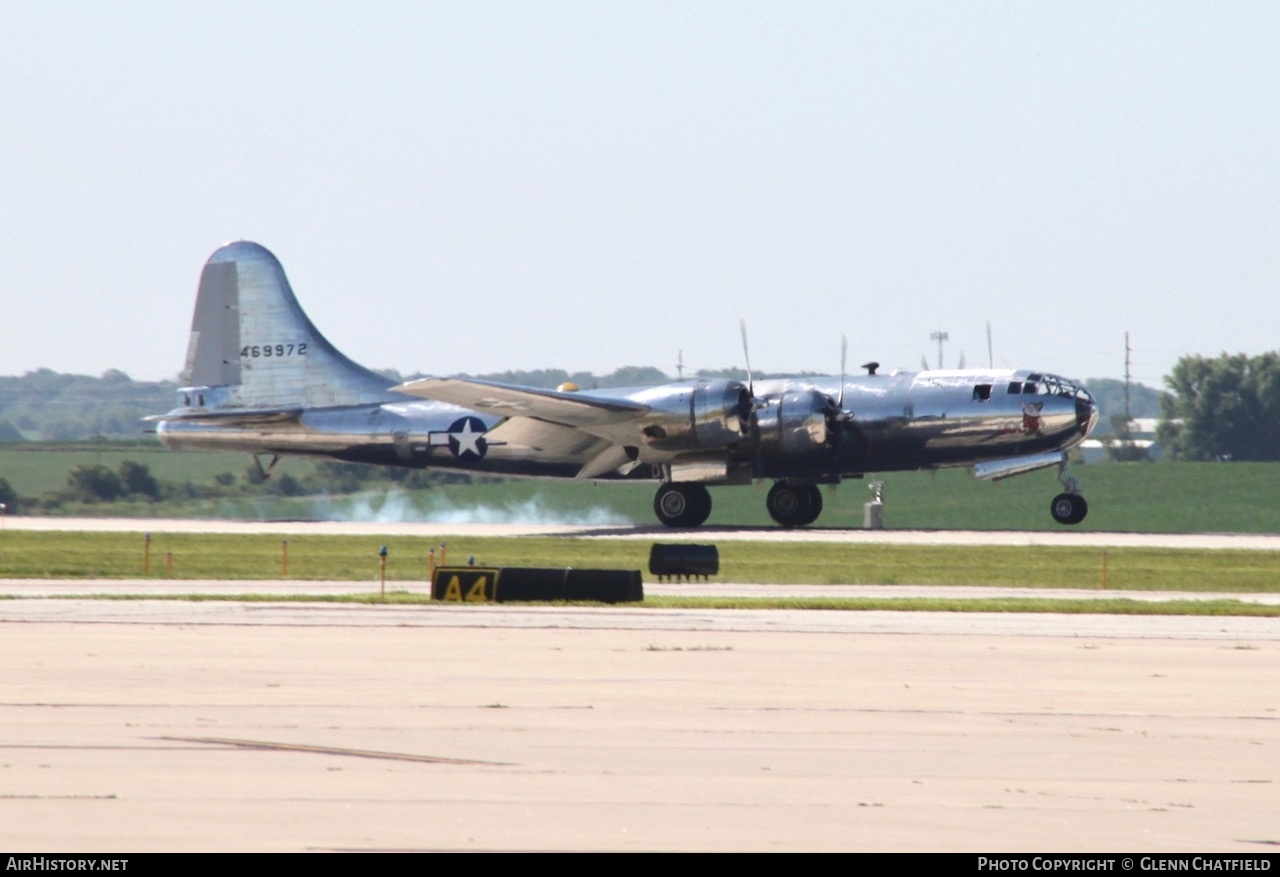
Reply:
x=480, y=186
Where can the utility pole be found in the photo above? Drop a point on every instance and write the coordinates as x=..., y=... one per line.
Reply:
x=1128, y=415
x=939, y=336
x=680, y=365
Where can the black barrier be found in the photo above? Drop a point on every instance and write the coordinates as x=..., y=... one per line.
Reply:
x=509, y=584
x=683, y=559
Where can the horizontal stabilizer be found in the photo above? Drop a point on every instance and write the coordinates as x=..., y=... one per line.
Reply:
x=232, y=417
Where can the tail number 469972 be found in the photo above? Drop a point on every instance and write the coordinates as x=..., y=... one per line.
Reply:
x=255, y=351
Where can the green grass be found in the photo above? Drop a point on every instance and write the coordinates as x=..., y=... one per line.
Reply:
x=36, y=468
x=1138, y=497
x=33, y=554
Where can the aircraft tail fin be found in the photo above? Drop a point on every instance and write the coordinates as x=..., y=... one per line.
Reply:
x=253, y=348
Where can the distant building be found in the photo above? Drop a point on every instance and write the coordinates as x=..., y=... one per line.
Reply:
x=1142, y=435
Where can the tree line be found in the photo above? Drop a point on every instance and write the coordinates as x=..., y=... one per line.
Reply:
x=1223, y=408
x=1216, y=408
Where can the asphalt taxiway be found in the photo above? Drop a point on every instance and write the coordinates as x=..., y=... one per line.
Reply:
x=1244, y=541
x=130, y=725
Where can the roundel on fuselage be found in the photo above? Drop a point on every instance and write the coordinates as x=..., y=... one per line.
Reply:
x=466, y=438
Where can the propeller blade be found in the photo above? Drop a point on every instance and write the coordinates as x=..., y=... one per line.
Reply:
x=844, y=358
x=751, y=387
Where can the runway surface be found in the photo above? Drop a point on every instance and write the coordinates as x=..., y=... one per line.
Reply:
x=1249, y=541
x=161, y=725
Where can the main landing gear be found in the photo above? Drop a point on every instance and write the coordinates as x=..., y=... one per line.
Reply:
x=794, y=505
x=1068, y=507
x=681, y=504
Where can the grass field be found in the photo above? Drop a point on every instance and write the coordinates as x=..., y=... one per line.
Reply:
x=1159, y=497
x=36, y=468
x=30, y=554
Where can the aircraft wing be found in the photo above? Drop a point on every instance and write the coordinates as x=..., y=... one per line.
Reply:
x=552, y=439
x=593, y=429
x=553, y=406
x=558, y=442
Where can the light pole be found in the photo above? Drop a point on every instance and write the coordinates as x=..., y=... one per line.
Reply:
x=939, y=336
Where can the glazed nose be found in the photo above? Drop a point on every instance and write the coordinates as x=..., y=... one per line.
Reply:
x=1086, y=413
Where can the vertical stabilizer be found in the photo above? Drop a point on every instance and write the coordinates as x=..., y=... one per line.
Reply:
x=252, y=346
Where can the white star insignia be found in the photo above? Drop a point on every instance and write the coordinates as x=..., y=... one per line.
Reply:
x=467, y=439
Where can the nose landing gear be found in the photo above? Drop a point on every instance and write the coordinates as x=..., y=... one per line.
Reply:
x=1068, y=507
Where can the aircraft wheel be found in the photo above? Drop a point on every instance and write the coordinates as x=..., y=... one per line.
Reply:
x=1068, y=508
x=813, y=505
x=702, y=508
x=682, y=505
x=794, y=505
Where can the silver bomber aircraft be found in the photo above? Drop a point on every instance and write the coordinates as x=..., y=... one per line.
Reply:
x=261, y=379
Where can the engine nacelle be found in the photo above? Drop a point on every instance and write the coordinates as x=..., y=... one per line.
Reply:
x=795, y=427
x=703, y=415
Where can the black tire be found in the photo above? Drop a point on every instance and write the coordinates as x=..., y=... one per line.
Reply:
x=1082, y=509
x=813, y=505
x=703, y=509
x=1068, y=508
x=682, y=505
x=794, y=505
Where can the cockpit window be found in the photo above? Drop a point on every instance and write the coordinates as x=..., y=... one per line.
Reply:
x=1015, y=387
x=1051, y=385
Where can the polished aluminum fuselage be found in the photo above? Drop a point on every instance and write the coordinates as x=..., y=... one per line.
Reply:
x=394, y=433
x=895, y=421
